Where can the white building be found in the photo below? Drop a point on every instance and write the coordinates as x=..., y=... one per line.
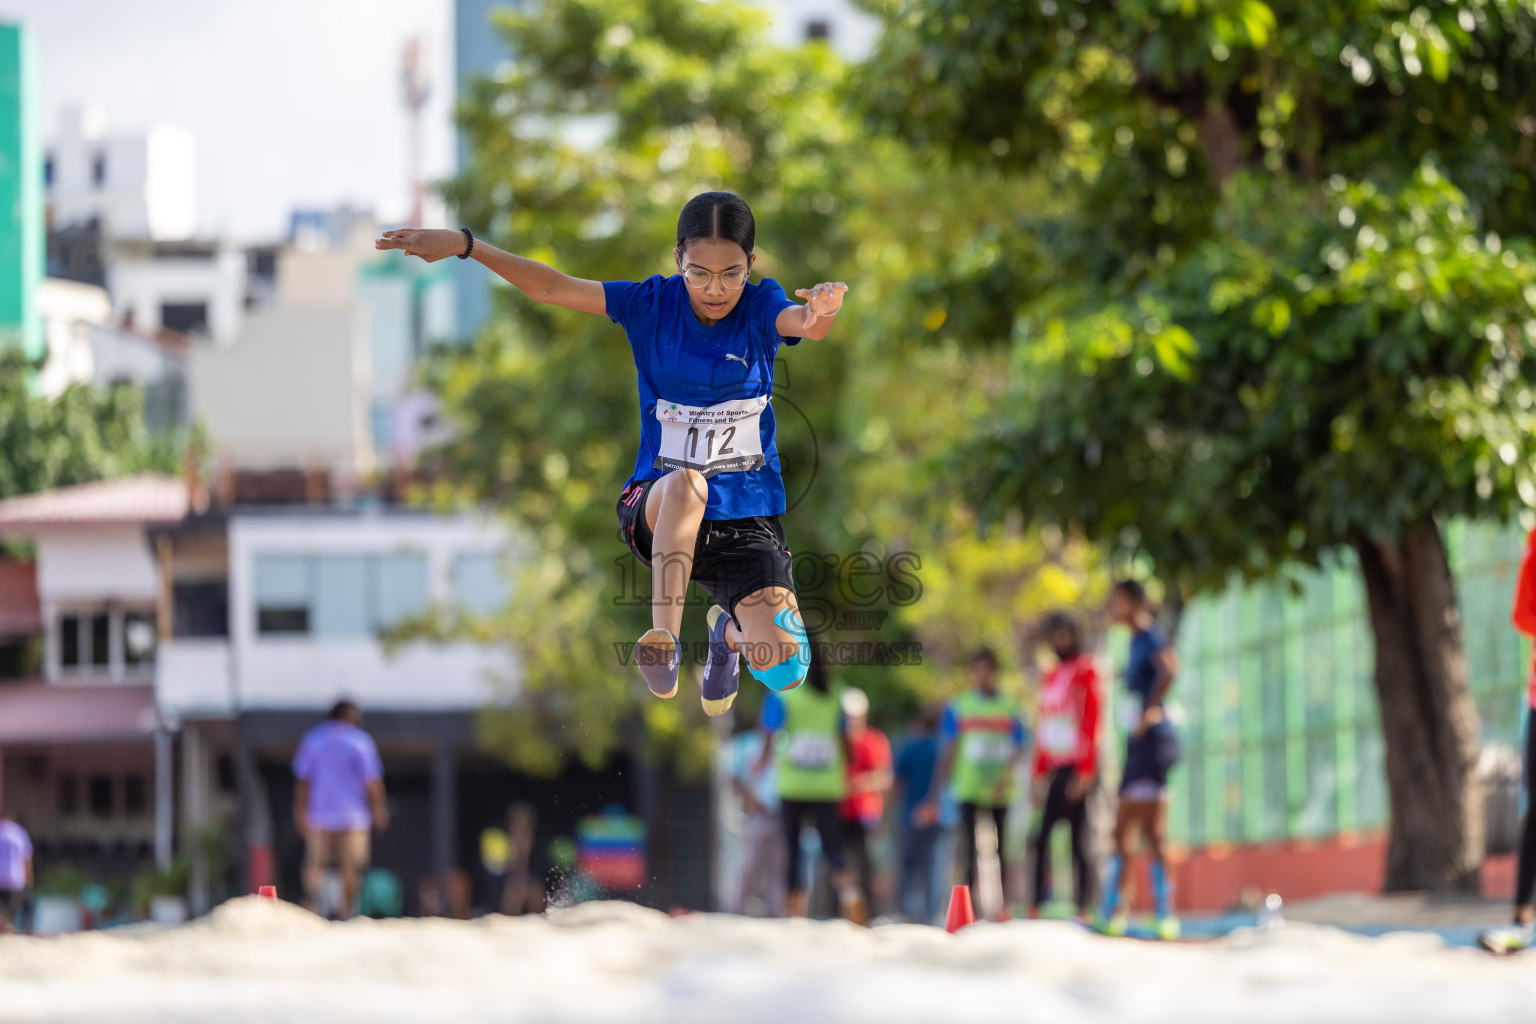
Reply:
x=84, y=347
x=185, y=653
x=196, y=288
x=140, y=186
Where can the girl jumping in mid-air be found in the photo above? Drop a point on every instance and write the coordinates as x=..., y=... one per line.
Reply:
x=705, y=498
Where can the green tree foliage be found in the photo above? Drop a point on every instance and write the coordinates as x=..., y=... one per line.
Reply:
x=616, y=113
x=84, y=434
x=1280, y=301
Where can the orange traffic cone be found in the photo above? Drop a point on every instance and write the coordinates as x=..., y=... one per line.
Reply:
x=961, y=913
x=267, y=892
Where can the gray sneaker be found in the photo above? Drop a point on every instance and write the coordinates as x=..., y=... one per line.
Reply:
x=659, y=655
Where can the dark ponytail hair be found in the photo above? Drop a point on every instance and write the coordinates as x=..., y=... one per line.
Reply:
x=816, y=673
x=723, y=215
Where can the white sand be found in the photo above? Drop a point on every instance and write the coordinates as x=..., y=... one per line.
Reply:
x=259, y=960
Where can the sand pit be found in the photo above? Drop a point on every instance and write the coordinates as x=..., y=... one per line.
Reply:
x=256, y=960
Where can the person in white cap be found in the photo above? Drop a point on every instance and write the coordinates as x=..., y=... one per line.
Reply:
x=869, y=777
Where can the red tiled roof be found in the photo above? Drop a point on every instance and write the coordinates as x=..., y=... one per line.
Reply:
x=20, y=613
x=75, y=713
x=134, y=499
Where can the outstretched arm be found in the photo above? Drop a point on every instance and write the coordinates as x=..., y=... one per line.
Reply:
x=535, y=280
x=814, y=319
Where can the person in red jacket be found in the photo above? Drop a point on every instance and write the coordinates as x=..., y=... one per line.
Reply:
x=1066, y=756
x=1512, y=940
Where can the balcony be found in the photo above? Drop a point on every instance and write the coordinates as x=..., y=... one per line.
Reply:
x=199, y=678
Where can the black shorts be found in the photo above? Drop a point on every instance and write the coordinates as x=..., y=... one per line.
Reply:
x=732, y=557
x=1151, y=756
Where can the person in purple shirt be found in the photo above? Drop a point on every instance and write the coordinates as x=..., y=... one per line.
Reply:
x=15, y=872
x=338, y=794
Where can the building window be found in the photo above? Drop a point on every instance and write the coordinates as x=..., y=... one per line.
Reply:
x=98, y=796
x=69, y=796
x=107, y=643
x=400, y=588
x=99, y=170
x=341, y=596
x=480, y=583
x=69, y=641
x=200, y=608
x=135, y=795
x=338, y=596
x=185, y=317
x=101, y=640
x=282, y=594
x=818, y=28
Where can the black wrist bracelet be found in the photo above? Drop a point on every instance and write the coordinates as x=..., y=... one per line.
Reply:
x=470, y=247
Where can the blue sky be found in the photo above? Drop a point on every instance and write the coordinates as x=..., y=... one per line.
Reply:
x=294, y=102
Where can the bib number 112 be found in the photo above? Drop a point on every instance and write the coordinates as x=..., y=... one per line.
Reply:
x=709, y=443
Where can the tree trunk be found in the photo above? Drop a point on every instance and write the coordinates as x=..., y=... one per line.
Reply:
x=1222, y=141
x=1428, y=719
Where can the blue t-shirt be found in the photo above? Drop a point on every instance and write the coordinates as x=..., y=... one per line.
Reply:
x=1141, y=665
x=678, y=359
x=914, y=772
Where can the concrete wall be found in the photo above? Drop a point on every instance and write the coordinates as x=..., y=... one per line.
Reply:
x=287, y=393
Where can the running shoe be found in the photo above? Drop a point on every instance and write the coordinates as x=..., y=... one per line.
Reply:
x=659, y=655
x=1115, y=927
x=722, y=672
x=1167, y=929
x=1504, y=941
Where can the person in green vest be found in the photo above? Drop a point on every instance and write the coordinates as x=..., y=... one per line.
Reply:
x=806, y=734
x=983, y=735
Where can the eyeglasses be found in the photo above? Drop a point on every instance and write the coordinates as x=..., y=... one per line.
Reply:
x=731, y=280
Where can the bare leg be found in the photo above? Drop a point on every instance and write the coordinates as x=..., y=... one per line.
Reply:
x=314, y=870
x=756, y=635
x=674, y=511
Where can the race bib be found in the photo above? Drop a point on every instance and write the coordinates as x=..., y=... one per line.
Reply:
x=1058, y=735
x=987, y=748
x=724, y=438
x=810, y=750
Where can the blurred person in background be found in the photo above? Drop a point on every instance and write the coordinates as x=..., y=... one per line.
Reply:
x=15, y=873
x=1519, y=936
x=916, y=885
x=1066, y=758
x=523, y=892
x=869, y=778
x=806, y=737
x=338, y=795
x=760, y=890
x=1151, y=751
x=983, y=737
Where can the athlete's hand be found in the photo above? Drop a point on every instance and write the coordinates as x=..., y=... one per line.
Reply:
x=925, y=814
x=431, y=244
x=822, y=300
